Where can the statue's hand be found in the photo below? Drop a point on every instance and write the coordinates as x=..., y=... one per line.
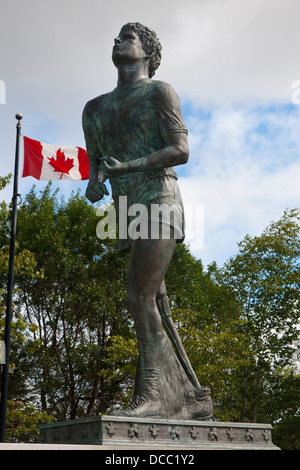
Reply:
x=112, y=167
x=95, y=191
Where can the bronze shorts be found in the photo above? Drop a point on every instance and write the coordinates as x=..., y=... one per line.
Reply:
x=153, y=209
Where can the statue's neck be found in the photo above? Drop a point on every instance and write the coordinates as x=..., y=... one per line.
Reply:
x=130, y=73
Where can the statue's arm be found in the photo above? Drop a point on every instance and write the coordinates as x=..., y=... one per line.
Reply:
x=96, y=188
x=176, y=152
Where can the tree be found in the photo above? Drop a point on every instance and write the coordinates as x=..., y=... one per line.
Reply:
x=264, y=277
x=238, y=323
x=286, y=433
x=22, y=419
x=78, y=303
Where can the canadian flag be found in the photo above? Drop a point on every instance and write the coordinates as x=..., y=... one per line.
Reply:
x=54, y=162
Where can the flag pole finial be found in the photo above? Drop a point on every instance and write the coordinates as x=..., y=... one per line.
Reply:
x=19, y=116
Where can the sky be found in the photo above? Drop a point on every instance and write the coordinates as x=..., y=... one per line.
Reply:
x=235, y=67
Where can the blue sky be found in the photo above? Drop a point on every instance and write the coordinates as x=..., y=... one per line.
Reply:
x=245, y=168
x=233, y=64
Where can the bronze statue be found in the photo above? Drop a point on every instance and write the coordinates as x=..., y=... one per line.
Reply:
x=135, y=135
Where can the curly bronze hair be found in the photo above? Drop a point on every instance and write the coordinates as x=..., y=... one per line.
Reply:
x=150, y=44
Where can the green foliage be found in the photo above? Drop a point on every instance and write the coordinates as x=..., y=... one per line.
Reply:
x=286, y=433
x=5, y=180
x=23, y=421
x=219, y=353
x=78, y=302
x=238, y=323
x=119, y=368
x=264, y=277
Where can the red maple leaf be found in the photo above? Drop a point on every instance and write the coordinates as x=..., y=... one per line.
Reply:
x=61, y=164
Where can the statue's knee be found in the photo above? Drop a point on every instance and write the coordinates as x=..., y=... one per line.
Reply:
x=136, y=299
x=132, y=299
x=140, y=301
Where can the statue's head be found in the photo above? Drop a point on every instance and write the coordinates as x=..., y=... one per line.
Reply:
x=150, y=44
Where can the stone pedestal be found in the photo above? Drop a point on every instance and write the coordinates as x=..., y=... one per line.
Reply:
x=158, y=434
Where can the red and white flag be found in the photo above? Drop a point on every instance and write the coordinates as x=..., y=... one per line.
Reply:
x=54, y=162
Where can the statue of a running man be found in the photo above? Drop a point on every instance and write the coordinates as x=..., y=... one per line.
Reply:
x=135, y=135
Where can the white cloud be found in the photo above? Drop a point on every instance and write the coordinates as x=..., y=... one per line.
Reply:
x=236, y=50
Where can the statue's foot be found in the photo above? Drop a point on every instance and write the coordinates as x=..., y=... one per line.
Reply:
x=140, y=407
x=199, y=409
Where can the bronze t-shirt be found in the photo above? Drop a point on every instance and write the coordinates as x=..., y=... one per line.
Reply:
x=129, y=123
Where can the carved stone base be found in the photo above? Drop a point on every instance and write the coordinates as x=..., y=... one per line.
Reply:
x=159, y=434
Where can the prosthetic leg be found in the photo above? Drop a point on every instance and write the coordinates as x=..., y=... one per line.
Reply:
x=163, y=306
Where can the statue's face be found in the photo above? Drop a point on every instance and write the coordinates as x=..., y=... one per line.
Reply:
x=127, y=48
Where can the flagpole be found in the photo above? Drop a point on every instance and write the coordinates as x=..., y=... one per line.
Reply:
x=10, y=286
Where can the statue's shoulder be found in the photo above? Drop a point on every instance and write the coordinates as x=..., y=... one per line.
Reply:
x=96, y=103
x=160, y=87
x=162, y=91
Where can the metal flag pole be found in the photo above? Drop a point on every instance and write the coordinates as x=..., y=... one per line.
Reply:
x=10, y=286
